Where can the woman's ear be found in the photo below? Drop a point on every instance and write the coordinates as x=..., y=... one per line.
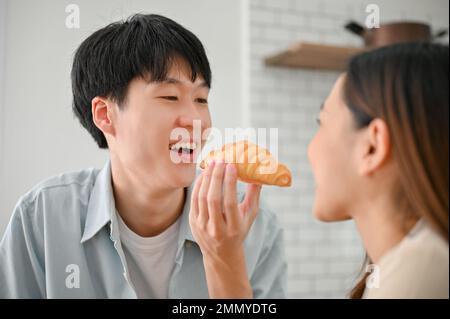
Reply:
x=103, y=115
x=376, y=147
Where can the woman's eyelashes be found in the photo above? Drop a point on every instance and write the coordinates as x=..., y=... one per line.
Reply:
x=318, y=121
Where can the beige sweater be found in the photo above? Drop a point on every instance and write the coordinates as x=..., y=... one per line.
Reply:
x=415, y=268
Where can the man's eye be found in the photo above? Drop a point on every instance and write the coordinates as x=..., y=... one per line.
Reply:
x=202, y=101
x=170, y=98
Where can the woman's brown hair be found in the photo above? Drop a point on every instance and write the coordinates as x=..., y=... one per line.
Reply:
x=406, y=85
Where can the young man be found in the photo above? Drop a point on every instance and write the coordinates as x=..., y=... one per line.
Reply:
x=123, y=231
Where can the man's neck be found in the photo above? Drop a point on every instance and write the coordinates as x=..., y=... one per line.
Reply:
x=147, y=212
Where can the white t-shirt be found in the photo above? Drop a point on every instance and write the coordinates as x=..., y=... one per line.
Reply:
x=150, y=260
x=417, y=267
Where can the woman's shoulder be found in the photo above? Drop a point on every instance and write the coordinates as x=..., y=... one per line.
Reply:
x=425, y=247
x=417, y=268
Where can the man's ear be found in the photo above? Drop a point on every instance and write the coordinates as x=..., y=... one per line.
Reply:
x=102, y=115
x=376, y=147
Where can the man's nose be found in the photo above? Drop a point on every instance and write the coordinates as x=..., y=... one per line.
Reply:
x=190, y=115
x=188, y=121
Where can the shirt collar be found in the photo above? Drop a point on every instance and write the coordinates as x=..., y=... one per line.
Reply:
x=101, y=208
x=185, y=228
x=101, y=204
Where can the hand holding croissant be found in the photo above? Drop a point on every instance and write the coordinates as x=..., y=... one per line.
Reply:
x=219, y=223
x=255, y=164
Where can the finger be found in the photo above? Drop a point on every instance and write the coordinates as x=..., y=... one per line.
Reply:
x=203, y=215
x=215, y=208
x=250, y=203
x=230, y=201
x=194, y=196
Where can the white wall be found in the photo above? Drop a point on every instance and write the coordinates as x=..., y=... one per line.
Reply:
x=3, y=9
x=324, y=259
x=39, y=133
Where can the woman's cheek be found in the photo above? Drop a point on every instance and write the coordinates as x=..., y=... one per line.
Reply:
x=325, y=176
x=312, y=151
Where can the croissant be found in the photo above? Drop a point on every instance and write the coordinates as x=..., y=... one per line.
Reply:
x=255, y=164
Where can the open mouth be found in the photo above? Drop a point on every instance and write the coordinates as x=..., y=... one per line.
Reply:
x=183, y=149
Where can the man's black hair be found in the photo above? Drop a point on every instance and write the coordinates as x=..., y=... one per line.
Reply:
x=143, y=45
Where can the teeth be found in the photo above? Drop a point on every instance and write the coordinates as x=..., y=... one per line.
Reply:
x=191, y=146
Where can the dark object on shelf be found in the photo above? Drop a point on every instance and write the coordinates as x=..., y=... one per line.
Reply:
x=395, y=32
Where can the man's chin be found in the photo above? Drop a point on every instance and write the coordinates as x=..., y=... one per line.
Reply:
x=184, y=175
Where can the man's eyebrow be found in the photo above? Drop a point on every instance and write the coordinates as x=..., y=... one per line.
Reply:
x=171, y=81
x=178, y=82
x=203, y=84
x=322, y=106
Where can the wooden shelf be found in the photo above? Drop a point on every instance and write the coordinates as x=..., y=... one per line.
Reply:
x=313, y=56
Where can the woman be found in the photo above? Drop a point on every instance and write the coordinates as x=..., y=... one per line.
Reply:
x=379, y=157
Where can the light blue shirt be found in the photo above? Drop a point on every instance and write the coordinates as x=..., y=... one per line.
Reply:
x=63, y=241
